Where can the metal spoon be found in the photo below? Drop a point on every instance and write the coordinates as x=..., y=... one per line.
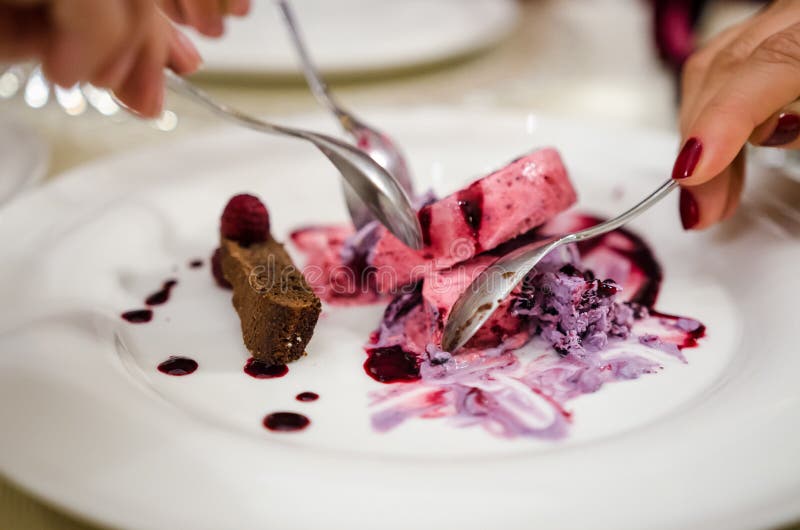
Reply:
x=377, y=144
x=377, y=189
x=488, y=290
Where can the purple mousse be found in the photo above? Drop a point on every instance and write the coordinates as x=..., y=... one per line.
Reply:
x=574, y=312
x=563, y=334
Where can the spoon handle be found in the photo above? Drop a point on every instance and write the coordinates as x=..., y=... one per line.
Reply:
x=376, y=188
x=185, y=88
x=315, y=81
x=612, y=224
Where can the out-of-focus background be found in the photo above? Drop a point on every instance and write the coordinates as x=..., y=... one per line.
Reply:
x=585, y=58
x=592, y=59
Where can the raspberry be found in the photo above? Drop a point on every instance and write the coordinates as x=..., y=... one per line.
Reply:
x=216, y=270
x=245, y=220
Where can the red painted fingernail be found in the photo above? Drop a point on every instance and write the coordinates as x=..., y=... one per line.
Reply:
x=786, y=132
x=687, y=159
x=690, y=213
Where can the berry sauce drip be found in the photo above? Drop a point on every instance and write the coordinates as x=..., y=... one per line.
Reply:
x=161, y=296
x=178, y=366
x=307, y=396
x=286, y=421
x=138, y=316
x=424, y=217
x=196, y=263
x=391, y=364
x=262, y=370
x=470, y=200
x=639, y=255
x=691, y=338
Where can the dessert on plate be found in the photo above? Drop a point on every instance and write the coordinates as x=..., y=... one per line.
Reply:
x=276, y=306
x=583, y=317
x=356, y=268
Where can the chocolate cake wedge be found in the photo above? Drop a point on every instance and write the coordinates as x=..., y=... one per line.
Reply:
x=276, y=306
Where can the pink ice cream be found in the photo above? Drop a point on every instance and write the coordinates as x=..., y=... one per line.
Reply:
x=337, y=269
x=500, y=206
x=441, y=289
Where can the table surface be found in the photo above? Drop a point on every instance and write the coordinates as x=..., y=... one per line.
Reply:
x=588, y=60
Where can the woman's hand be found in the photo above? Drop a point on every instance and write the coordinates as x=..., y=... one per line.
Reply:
x=742, y=87
x=122, y=45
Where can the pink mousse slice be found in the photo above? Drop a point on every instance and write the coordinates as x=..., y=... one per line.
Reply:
x=441, y=289
x=490, y=211
x=326, y=273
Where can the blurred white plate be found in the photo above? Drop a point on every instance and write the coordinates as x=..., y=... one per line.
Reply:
x=786, y=161
x=23, y=158
x=358, y=36
x=90, y=424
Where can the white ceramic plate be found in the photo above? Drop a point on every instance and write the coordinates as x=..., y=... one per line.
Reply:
x=24, y=158
x=358, y=36
x=89, y=424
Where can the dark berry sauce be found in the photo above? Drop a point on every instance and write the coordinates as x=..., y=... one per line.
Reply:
x=691, y=338
x=571, y=270
x=424, y=217
x=391, y=364
x=138, y=316
x=470, y=201
x=161, y=296
x=262, y=370
x=307, y=396
x=178, y=366
x=606, y=288
x=286, y=421
x=638, y=254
